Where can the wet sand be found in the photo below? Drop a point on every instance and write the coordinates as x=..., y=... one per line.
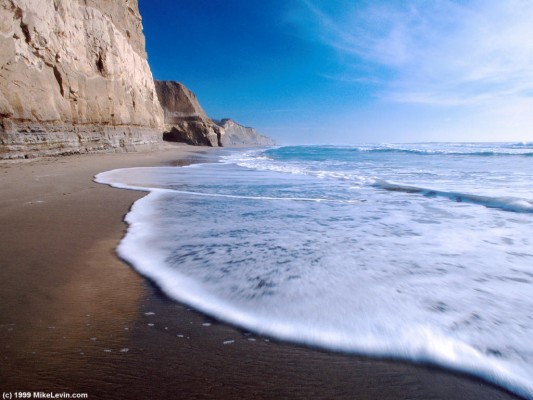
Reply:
x=76, y=319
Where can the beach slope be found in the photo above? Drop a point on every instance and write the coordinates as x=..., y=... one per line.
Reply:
x=76, y=319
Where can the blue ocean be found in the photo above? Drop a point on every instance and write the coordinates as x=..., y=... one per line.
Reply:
x=421, y=252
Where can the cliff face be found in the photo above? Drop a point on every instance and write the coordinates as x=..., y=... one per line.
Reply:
x=236, y=135
x=74, y=78
x=185, y=119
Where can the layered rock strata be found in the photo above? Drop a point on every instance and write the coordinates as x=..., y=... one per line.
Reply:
x=236, y=135
x=74, y=78
x=185, y=119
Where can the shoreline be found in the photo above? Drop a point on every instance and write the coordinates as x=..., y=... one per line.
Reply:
x=75, y=318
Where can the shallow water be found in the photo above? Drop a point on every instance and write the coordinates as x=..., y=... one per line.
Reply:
x=421, y=251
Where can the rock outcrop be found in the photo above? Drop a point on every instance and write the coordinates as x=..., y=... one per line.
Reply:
x=236, y=135
x=185, y=119
x=74, y=78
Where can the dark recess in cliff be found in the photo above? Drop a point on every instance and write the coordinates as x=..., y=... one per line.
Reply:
x=185, y=119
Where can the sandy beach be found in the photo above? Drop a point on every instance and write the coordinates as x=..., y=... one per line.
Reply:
x=76, y=319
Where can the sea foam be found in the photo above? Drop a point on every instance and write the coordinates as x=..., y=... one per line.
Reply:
x=360, y=265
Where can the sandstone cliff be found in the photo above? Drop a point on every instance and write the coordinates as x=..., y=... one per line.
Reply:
x=74, y=78
x=185, y=119
x=236, y=135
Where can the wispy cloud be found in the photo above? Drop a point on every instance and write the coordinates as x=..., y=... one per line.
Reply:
x=446, y=53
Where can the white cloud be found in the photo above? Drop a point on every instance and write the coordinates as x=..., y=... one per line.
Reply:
x=446, y=53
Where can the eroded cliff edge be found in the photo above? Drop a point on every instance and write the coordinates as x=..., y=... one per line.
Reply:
x=185, y=119
x=236, y=135
x=74, y=78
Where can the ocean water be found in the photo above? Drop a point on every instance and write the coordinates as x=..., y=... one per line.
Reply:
x=422, y=252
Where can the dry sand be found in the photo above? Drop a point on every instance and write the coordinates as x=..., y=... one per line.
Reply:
x=75, y=319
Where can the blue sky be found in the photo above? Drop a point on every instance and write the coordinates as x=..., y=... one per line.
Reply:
x=347, y=71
